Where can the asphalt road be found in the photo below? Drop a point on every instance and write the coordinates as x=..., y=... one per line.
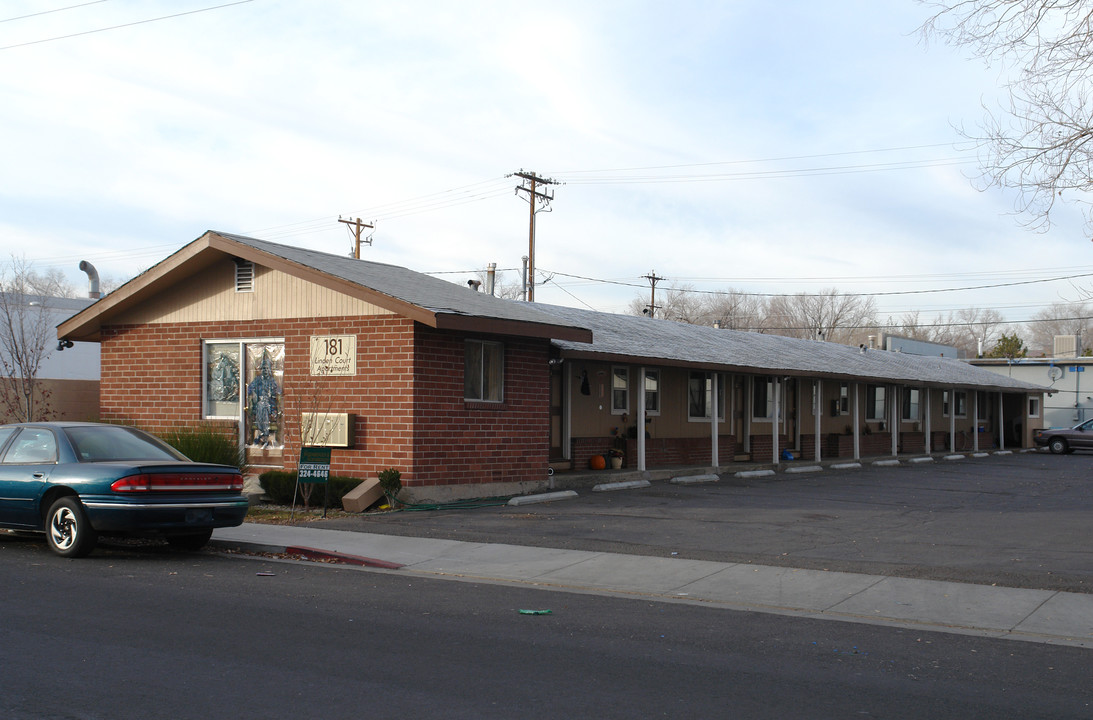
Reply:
x=151, y=634
x=1020, y=520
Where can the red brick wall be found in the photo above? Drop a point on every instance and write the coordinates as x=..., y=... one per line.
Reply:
x=413, y=420
x=151, y=375
x=658, y=451
x=459, y=442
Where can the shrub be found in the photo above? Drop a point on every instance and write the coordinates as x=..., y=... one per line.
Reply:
x=391, y=482
x=203, y=443
x=280, y=485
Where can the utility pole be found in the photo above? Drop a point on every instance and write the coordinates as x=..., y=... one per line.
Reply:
x=542, y=199
x=653, y=280
x=357, y=227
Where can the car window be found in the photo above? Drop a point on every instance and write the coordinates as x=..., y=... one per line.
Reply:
x=32, y=445
x=98, y=443
x=5, y=433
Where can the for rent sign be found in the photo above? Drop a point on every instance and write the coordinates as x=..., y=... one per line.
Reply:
x=314, y=465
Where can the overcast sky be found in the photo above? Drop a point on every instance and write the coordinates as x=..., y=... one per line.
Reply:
x=768, y=147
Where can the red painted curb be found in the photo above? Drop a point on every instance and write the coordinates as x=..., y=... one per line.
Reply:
x=316, y=554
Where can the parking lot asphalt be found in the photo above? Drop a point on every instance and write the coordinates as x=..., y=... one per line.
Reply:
x=1020, y=520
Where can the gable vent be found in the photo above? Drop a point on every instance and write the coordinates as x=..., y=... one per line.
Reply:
x=244, y=275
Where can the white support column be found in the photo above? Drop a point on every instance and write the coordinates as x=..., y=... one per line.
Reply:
x=749, y=388
x=952, y=419
x=714, y=406
x=975, y=421
x=819, y=412
x=567, y=405
x=776, y=384
x=893, y=419
x=856, y=415
x=799, y=402
x=641, y=420
x=1001, y=423
x=926, y=422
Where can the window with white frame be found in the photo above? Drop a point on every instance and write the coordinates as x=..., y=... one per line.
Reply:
x=961, y=398
x=652, y=392
x=700, y=396
x=484, y=371
x=875, y=403
x=912, y=404
x=844, y=398
x=620, y=390
x=243, y=380
x=1033, y=407
x=762, y=398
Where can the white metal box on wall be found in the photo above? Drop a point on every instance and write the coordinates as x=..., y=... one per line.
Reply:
x=327, y=429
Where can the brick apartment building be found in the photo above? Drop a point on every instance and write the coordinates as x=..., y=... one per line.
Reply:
x=470, y=395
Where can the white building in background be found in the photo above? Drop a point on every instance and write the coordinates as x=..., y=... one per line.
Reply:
x=70, y=376
x=1069, y=377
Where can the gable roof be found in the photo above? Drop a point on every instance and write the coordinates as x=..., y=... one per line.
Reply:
x=428, y=300
x=574, y=332
x=629, y=338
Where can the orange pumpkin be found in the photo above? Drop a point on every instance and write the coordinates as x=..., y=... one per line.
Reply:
x=596, y=462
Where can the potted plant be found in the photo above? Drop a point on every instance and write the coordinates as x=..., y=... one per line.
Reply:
x=616, y=458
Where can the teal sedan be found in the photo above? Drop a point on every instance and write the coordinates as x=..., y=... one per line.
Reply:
x=77, y=481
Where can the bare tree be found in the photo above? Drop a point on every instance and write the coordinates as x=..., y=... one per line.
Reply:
x=678, y=302
x=502, y=287
x=827, y=315
x=1059, y=319
x=971, y=330
x=682, y=304
x=1040, y=144
x=27, y=336
x=734, y=310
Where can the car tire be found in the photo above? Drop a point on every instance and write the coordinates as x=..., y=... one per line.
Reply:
x=1058, y=446
x=68, y=531
x=190, y=542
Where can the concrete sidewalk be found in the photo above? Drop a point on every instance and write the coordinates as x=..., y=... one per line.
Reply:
x=1021, y=614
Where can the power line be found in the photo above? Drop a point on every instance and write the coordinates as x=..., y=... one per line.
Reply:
x=761, y=160
x=869, y=294
x=49, y=12
x=897, y=326
x=772, y=174
x=125, y=25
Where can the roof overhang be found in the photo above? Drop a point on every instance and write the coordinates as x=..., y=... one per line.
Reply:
x=593, y=356
x=213, y=247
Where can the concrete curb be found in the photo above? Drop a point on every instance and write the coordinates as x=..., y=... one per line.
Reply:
x=754, y=473
x=543, y=497
x=694, y=479
x=624, y=485
x=804, y=469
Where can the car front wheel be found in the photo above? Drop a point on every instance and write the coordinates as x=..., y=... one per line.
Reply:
x=68, y=532
x=1057, y=446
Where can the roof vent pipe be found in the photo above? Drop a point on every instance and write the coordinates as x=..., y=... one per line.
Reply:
x=92, y=280
x=491, y=277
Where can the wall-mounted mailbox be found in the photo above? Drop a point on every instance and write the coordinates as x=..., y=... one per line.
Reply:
x=327, y=429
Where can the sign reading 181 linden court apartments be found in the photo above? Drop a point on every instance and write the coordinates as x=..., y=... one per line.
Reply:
x=333, y=354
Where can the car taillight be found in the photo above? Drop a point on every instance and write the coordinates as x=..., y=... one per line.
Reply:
x=174, y=482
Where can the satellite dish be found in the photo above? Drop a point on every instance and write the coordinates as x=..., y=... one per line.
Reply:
x=1054, y=372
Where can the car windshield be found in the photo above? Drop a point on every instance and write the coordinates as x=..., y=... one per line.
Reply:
x=98, y=443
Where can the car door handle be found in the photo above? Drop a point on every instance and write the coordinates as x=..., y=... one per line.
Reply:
x=39, y=476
